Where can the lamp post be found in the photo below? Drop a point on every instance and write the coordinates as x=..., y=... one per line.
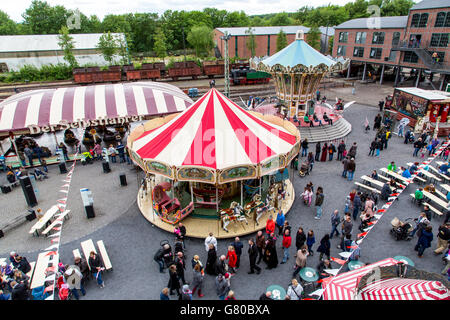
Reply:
x=226, y=37
x=184, y=44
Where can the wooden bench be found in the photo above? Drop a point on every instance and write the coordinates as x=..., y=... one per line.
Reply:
x=395, y=175
x=375, y=182
x=384, y=178
x=446, y=187
x=440, y=175
x=443, y=196
x=361, y=185
x=12, y=223
x=438, y=201
x=44, y=220
x=435, y=211
x=88, y=246
x=54, y=223
x=104, y=255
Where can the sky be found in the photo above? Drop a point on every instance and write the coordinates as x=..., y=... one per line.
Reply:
x=103, y=7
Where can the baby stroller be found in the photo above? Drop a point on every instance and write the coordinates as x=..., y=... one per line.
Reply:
x=401, y=230
x=304, y=169
x=168, y=255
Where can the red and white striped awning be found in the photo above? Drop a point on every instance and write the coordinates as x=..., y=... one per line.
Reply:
x=214, y=133
x=343, y=286
x=48, y=107
x=404, y=289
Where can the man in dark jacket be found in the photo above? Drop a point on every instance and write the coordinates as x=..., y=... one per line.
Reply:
x=300, y=238
x=335, y=221
x=23, y=264
x=181, y=266
x=351, y=169
x=220, y=265
x=340, y=149
x=356, y=205
x=158, y=257
x=347, y=227
x=443, y=237
x=260, y=245
x=252, y=255
x=318, y=203
x=19, y=291
x=345, y=163
x=352, y=151
x=237, y=244
x=318, y=148
x=373, y=147
x=417, y=145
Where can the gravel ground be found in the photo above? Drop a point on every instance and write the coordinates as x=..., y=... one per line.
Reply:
x=132, y=241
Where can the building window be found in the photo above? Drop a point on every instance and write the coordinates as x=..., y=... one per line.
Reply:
x=341, y=50
x=395, y=38
x=411, y=57
x=415, y=20
x=358, y=52
x=439, y=40
x=440, y=19
x=392, y=55
x=343, y=36
x=423, y=20
x=447, y=20
x=378, y=38
x=375, y=53
x=360, y=37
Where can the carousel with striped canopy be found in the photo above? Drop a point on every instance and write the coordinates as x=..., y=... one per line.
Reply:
x=199, y=162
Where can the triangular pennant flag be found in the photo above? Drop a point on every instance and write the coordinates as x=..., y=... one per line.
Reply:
x=377, y=216
x=56, y=240
x=65, y=191
x=54, y=246
x=340, y=261
x=367, y=229
x=51, y=297
x=352, y=247
x=51, y=253
x=57, y=234
x=359, y=241
x=65, y=185
x=371, y=223
x=345, y=255
x=56, y=228
x=63, y=201
x=362, y=234
x=380, y=210
x=332, y=271
x=317, y=292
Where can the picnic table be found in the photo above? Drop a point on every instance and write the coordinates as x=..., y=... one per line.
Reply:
x=429, y=175
x=42, y=264
x=88, y=246
x=395, y=175
x=436, y=200
x=436, y=171
x=446, y=187
x=375, y=182
x=44, y=220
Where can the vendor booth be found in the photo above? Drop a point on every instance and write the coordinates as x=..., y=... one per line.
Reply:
x=105, y=110
x=216, y=162
x=423, y=107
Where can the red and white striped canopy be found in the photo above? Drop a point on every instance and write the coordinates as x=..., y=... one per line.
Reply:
x=51, y=106
x=343, y=286
x=404, y=289
x=215, y=133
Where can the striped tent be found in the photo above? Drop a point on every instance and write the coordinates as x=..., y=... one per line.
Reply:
x=343, y=286
x=404, y=289
x=48, y=107
x=216, y=134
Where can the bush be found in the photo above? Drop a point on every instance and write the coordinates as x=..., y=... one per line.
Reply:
x=45, y=73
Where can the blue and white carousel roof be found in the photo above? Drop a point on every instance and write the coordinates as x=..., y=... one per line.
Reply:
x=299, y=56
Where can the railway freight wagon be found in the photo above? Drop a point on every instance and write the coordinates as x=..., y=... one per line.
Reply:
x=185, y=69
x=213, y=68
x=95, y=75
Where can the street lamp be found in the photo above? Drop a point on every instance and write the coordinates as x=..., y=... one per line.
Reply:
x=226, y=37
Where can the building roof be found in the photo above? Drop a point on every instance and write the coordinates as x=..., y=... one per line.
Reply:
x=367, y=23
x=431, y=4
x=240, y=31
x=427, y=94
x=47, y=42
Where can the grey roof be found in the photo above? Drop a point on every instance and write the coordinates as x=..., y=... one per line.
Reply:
x=431, y=4
x=240, y=31
x=47, y=42
x=367, y=23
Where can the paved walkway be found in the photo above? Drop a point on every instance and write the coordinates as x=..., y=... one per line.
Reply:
x=131, y=240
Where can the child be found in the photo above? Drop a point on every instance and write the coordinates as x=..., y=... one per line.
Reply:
x=344, y=154
x=422, y=151
x=310, y=240
x=348, y=203
x=44, y=165
x=446, y=152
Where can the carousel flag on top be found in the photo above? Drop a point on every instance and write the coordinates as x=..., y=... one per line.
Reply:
x=378, y=216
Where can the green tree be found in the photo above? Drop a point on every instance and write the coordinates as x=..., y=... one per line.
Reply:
x=143, y=29
x=313, y=37
x=251, y=42
x=160, y=46
x=281, y=19
x=45, y=19
x=107, y=46
x=123, y=42
x=67, y=44
x=281, y=40
x=330, y=44
x=7, y=26
x=201, y=39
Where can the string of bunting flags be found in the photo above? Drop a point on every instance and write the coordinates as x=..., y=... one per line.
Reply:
x=380, y=212
x=53, y=250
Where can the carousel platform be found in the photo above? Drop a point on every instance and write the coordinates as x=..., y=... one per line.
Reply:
x=199, y=227
x=340, y=129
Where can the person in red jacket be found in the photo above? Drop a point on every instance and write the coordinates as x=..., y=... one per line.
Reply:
x=286, y=244
x=270, y=225
x=232, y=259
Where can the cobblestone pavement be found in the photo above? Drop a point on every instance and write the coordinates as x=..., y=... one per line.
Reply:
x=132, y=241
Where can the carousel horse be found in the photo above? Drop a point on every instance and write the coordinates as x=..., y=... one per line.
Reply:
x=234, y=213
x=268, y=206
x=255, y=203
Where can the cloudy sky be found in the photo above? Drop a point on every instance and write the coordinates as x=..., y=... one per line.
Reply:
x=103, y=7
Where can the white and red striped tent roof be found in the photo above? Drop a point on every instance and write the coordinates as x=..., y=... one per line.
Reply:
x=404, y=289
x=51, y=106
x=343, y=286
x=214, y=133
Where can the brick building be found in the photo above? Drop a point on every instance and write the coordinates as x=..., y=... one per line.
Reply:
x=400, y=42
x=265, y=39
